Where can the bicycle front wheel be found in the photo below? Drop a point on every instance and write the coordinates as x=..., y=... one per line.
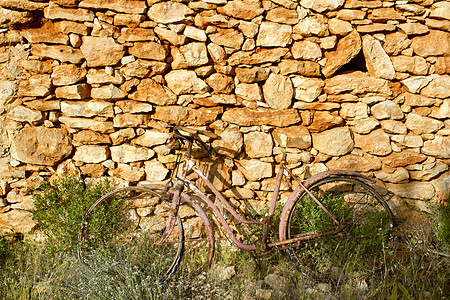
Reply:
x=123, y=227
x=356, y=246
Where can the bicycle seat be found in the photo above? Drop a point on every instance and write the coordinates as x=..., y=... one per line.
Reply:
x=194, y=132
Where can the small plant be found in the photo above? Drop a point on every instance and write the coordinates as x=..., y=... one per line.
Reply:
x=60, y=207
x=443, y=225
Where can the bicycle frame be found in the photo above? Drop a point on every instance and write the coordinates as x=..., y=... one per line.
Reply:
x=266, y=221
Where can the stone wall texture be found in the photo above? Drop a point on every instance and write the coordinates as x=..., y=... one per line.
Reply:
x=89, y=87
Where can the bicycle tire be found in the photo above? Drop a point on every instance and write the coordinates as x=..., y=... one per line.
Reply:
x=352, y=255
x=123, y=226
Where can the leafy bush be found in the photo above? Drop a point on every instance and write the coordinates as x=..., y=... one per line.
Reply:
x=443, y=224
x=60, y=207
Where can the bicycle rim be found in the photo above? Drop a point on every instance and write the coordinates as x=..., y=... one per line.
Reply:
x=351, y=256
x=123, y=227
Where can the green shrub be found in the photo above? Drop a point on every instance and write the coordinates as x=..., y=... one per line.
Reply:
x=443, y=224
x=60, y=207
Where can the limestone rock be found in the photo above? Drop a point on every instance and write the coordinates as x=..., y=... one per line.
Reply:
x=413, y=190
x=339, y=27
x=304, y=68
x=258, y=144
x=230, y=142
x=84, y=123
x=363, y=126
x=122, y=136
x=439, y=147
x=415, y=65
x=227, y=37
x=335, y=142
x=306, y=50
x=398, y=176
x=420, y=125
x=259, y=56
x=54, y=11
x=428, y=174
x=410, y=140
x=152, y=138
x=354, y=162
x=273, y=34
x=357, y=83
x=242, y=9
x=307, y=89
x=38, y=85
x=41, y=146
x=440, y=10
x=414, y=28
x=396, y=42
x=251, y=75
x=377, y=61
x=261, y=116
x=24, y=114
x=169, y=12
x=87, y=109
x=134, y=107
x=101, y=51
x=324, y=120
x=20, y=221
x=248, y=92
x=387, y=110
x=220, y=83
x=10, y=18
x=322, y=5
x=185, y=82
x=144, y=68
x=437, y=87
x=128, y=153
x=155, y=171
x=91, y=154
x=128, y=173
x=88, y=137
x=149, y=50
x=124, y=6
x=255, y=170
x=354, y=111
x=67, y=74
x=293, y=137
x=377, y=142
x=278, y=91
x=75, y=91
x=404, y=158
x=314, y=25
x=108, y=92
x=61, y=53
x=283, y=15
x=131, y=120
x=436, y=43
x=347, y=48
x=45, y=34
x=395, y=127
x=190, y=55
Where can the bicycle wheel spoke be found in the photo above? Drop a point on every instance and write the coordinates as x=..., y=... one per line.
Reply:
x=123, y=227
x=344, y=257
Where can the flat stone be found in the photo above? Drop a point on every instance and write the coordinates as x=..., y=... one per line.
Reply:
x=306, y=50
x=75, y=92
x=122, y=136
x=195, y=33
x=186, y=116
x=124, y=6
x=438, y=147
x=128, y=173
x=357, y=83
x=89, y=137
x=129, y=153
x=395, y=43
x=339, y=27
x=377, y=61
x=84, y=123
x=307, y=89
x=283, y=15
x=354, y=162
x=322, y=5
x=67, y=74
x=20, y=221
x=169, y=12
x=440, y=10
x=230, y=142
x=293, y=137
x=22, y=5
x=347, y=48
x=335, y=142
x=41, y=146
x=185, y=82
x=249, y=92
x=91, y=154
x=261, y=116
x=108, y=92
x=377, y=142
x=443, y=65
x=258, y=144
x=251, y=75
x=144, y=68
x=413, y=190
x=155, y=171
x=421, y=125
x=227, y=37
x=221, y=83
x=134, y=107
x=100, y=76
x=414, y=65
x=377, y=27
x=404, y=158
x=278, y=91
x=410, y=140
x=259, y=56
x=131, y=120
x=101, y=51
x=152, y=138
x=242, y=9
x=170, y=36
x=190, y=55
x=398, y=176
x=324, y=120
x=149, y=90
x=128, y=21
x=395, y=127
x=54, y=11
x=441, y=112
x=437, y=87
x=304, y=68
x=38, y=85
x=25, y=114
x=435, y=43
x=364, y=126
x=387, y=110
x=87, y=109
x=314, y=25
x=428, y=174
x=274, y=35
x=255, y=170
x=414, y=28
x=11, y=18
x=45, y=34
x=136, y=35
x=354, y=111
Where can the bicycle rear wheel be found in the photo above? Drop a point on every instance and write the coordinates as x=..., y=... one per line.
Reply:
x=123, y=227
x=358, y=250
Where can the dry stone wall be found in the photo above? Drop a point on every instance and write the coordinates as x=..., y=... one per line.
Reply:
x=88, y=88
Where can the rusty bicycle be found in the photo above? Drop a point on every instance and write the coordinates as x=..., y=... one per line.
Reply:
x=332, y=224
